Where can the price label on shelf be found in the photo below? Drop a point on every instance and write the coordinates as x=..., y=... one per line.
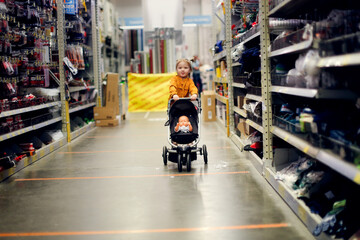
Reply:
x=302, y=214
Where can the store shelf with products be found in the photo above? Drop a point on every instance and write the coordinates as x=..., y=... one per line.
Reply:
x=28, y=129
x=328, y=158
x=81, y=88
x=29, y=109
x=314, y=93
x=299, y=207
x=82, y=107
x=253, y=97
x=255, y=125
x=221, y=98
x=82, y=130
x=238, y=85
x=324, y=89
x=38, y=154
x=311, y=68
x=240, y=111
x=31, y=100
x=219, y=56
x=351, y=59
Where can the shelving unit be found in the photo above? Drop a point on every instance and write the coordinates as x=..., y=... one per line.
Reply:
x=58, y=43
x=78, y=89
x=297, y=48
x=240, y=111
x=315, y=93
x=79, y=108
x=239, y=85
x=82, y=130
x=339, y=96
x=329, y=159
x=352, y=59
x=221, y=98
x=31, y=159
x=254, y=97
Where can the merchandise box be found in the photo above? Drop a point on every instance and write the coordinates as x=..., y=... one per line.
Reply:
x=112, y=89
x=208, y=106
x=112, y=92
x=107, y=123
x=240, y=101
x=245, y=129
x=103, y=113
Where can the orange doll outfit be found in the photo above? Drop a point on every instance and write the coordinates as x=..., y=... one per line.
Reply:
x=182, y=87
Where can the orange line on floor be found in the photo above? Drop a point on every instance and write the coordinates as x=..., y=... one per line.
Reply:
x=143, y=135
x=135, y=176
x=133, y=150
x=117, y=232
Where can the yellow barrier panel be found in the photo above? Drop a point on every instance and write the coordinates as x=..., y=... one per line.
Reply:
x=148, y=92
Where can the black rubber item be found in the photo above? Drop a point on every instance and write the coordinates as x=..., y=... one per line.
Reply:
x=45, y=138
x=179, y=163
x=37, y=143
x=165, y=152
x=205, y=153
x=188, y=162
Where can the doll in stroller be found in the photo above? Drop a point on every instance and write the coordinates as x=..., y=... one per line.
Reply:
x=184, y=148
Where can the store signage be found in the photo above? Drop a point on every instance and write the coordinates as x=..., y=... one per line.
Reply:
x=201, y=19
x=134, y=21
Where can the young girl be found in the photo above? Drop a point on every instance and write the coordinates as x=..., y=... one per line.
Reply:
x=181, y=85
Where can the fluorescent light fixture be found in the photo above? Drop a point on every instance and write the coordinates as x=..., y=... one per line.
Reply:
x=132, y=27
x=189, y=25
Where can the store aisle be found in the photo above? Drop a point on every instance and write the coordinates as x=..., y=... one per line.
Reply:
x=112, y=184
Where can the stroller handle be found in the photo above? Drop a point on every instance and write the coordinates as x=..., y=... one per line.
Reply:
x=186, y=98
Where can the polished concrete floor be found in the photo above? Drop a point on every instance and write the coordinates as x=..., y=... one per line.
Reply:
x=111, y=184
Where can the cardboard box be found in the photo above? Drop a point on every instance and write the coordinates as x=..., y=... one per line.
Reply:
x=245, y=129
x=107, y=123
x=208, y=106
x=112, y=89
x=240, y=101
x=104, y=113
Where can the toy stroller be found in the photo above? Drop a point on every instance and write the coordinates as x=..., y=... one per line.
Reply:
x=183, y=144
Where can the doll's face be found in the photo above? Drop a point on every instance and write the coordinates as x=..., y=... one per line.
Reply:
x=183, y=69
x=183, y=121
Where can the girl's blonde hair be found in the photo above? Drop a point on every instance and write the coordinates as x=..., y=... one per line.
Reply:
x=183, y=60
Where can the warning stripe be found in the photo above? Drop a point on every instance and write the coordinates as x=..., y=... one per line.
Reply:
x=148, y=92
x=160, y=90
x=135, y=176
x=141, y=90
x=144, y=82
x=142, y=231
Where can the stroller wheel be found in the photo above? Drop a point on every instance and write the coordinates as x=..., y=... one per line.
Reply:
x=165, y=152
x=205, y=154
x=188, y=162
x=179, y=163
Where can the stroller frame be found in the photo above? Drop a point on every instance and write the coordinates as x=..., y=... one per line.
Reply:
x=183, y=154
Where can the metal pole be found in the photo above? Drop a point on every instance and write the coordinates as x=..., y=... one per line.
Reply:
x=266, y=83
x=228, y=39
x=96, y=48
x=61, y=47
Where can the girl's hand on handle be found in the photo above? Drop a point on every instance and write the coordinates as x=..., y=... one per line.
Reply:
x=176, y=97
x=193, y=97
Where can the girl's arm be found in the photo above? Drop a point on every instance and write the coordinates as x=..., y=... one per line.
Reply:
x=193, y=89
x=172, y=88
